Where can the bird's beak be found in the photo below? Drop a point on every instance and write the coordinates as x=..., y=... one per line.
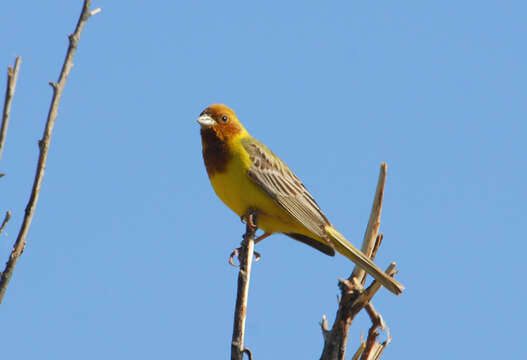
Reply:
x=206, y=120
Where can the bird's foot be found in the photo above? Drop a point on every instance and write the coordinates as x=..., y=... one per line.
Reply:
x=248, y=218
x=236, y=253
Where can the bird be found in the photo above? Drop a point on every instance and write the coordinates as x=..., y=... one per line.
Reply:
x=246, y=175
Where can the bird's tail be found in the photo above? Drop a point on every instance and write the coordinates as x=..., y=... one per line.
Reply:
x=351, y=252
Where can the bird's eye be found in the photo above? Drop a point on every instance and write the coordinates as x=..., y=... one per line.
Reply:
x=224, y=118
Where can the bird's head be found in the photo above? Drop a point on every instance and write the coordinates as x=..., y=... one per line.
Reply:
x=222, y=120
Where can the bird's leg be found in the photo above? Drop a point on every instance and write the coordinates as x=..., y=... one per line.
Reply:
x=257, y=255
x=248, y=218
x=261, y=237
x=250, y=222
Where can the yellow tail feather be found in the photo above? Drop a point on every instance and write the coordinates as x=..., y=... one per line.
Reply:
x=351, y=252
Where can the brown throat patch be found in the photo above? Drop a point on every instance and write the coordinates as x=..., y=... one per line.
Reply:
x=215, y=152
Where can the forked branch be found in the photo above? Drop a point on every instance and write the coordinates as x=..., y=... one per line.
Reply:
x=354, y=298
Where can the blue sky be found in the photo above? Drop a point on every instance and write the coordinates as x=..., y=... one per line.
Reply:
x=127, y=254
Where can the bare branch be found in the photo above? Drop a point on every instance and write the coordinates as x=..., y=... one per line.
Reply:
x=335, y=340
x=12, y=77
x=246, y=253
x=372, y=350
x=377, y=245
x=375, y=286
x=6, y=219
x=370, y=236
x=353, y=297
x=44, y=143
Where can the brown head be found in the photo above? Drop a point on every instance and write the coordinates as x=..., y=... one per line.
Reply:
x=219, y=125
x=222, y=121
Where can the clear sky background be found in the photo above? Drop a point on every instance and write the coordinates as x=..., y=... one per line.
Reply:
x=127, y=254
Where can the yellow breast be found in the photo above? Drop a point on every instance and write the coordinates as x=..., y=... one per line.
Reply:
x=240, y=193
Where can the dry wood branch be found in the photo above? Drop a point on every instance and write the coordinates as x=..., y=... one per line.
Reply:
x=359, y=350
x=58, y=88
x=353, y=297
x=372, y=349
x=353, y=300
x=12, y=77
x=335, y=339
x=6, y=219
x=370, y=236
x=375, y=285
x=378, y=242
x=246, y=253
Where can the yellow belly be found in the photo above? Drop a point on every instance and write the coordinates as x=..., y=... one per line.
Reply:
x=240, y=193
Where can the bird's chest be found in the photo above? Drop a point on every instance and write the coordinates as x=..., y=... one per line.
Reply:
x=233, y=187
x=228, y=167
x=236, y=189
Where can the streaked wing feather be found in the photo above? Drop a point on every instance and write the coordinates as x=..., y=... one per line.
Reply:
x=279, y=182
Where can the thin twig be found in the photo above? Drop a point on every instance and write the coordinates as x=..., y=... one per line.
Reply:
x=12, y=77
x=372, y=349
x=246, y=253
x=359, y=350
x=376, y=247
x=324, y=326
x=58, y=87
x=371, y=290
x=370, y=236
x=6, y=219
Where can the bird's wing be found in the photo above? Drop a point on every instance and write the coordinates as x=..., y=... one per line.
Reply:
x=274, y=177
